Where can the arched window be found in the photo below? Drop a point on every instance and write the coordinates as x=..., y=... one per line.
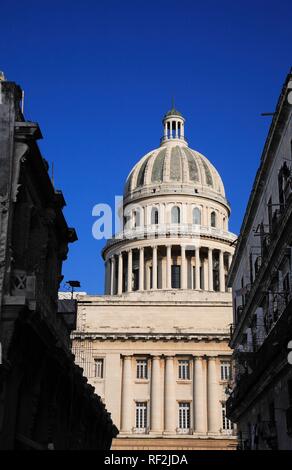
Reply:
x=213, y=219
x=154, y=216
x=136, y=218
x=196, y=216
x=175, y=215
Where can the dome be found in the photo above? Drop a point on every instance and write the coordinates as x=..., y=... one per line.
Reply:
x=174, y=168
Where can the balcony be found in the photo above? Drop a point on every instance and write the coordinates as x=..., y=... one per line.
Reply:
x=168, y=230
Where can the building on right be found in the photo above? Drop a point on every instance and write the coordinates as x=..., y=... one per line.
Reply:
x=261, y=278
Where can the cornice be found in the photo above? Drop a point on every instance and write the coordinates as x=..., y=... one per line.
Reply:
x=185, y=337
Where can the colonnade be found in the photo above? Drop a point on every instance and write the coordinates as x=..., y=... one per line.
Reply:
x=115, y=272
x=205, y=403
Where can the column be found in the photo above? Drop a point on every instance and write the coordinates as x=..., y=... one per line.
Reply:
x=130, y=271
x=168, y=266
x=171, y=131
x=113, y=277
x=141, y=268
x=154, y=267
x=197, y=269
x=199, y=399
x=155, y=397
x=205, y=273
x=182, y=130
x=183, y=274
x=169, y=397
x=120, y=274
x=107, y=277
x=176, y=129
x=165, y=129
x=126, y=401
x=212, y=396
x=221, y=271
x=229, y=260
x=210, y=269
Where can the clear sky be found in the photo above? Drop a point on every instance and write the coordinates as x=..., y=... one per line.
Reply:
x=99, y=75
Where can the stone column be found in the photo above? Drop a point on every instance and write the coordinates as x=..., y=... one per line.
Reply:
x=154, y=267
x=155, y=397
x=199, y=399
x=182, y=130
x=165, y=129
x=212, y=396
x=107, y=277
x=126, y=401
x=197, y=269
x=113, y=277
x=210, y=269
x=221, y=271
x=183, y=274
x=168, y=266
x=205, y=269
x=169, y=397
x=120, y=274
x=130, y=271
x=141, y=268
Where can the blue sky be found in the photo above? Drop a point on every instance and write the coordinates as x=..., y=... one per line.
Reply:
x=99, y=75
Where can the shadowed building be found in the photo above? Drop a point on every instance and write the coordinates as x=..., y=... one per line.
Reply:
x=45, y=401
x=261, y=402
x=155, y=346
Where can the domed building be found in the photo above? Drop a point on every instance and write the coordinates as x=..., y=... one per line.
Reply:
x=155, y=346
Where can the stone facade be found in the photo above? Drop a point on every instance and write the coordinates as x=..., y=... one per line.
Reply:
x=45, y=401
x=261, y=402
x=155, y=346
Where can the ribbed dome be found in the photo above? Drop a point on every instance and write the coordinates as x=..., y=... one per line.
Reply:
x=174, y=168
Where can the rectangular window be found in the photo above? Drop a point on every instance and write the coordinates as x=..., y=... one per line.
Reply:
x=184, y=416
x=225, y=370
x=142, y=369
x=98, y=368
x=227, y=425
x=141, y=415
x=184, y=369
x=175, y=277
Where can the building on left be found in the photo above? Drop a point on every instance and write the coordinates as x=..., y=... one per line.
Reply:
x=45, y=401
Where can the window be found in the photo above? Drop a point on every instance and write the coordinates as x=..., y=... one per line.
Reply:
x=175, y=215
x=184, y=369
x=213, y=219
x=175, y=276
x=141, y=415
x=142, y=372
x=154, y=216
x=136, y=215
x=184, y=416
x=196, y=216
x=226, y=423
x=98, y=368
x=225, y=370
